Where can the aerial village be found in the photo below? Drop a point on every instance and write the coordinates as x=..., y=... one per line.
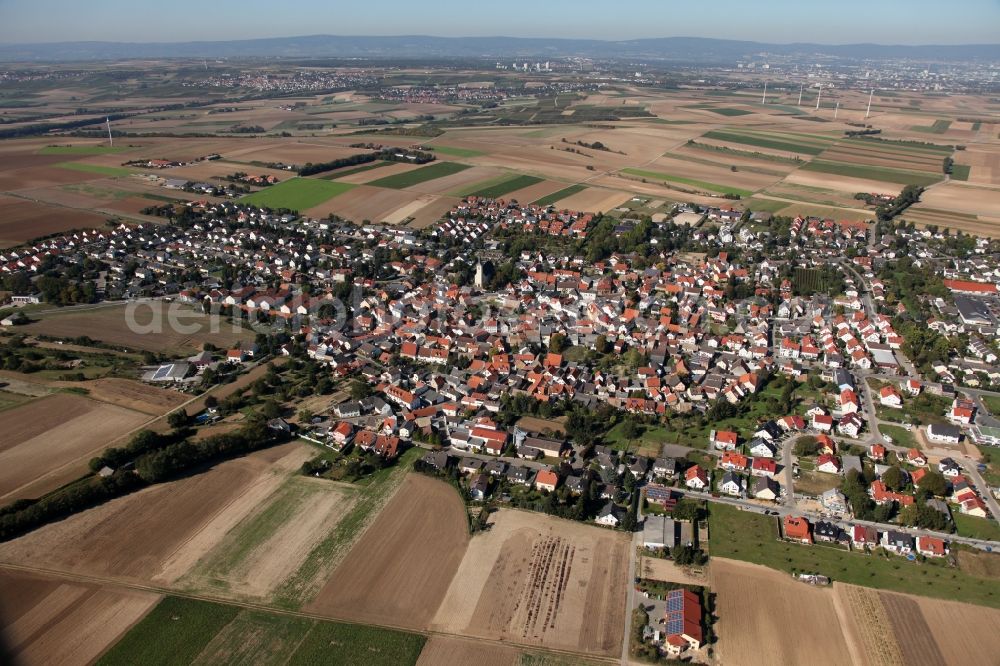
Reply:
x=610, y=369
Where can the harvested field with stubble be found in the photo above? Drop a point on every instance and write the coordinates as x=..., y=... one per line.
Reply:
x=158, y=533
x=401, y=568
x=50, y=621
x=532, y=579
x=48, y=441
x=864, y=617
x=800, y=624
x=130, y=394
x=594, y=200
x=153, y=331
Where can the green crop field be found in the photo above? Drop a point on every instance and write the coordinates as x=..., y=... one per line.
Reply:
x=297, y=193
x=457, y=152
x=95, y=168
x=726, y=111
x=81, y=150
x=423, y=174
x=960, y=171
x=711, y=187
x=347, y=172
x=872, y=173
x=174, y=632
x=506, y=186
x=188, y=631
x=763, y=142
x=561, y=194
x=752, y=537
x=938, y=127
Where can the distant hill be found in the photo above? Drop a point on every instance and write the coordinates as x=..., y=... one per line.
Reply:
x=686, y=49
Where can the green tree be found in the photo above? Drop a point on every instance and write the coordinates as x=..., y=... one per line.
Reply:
x=893, y=478
x=178, y=419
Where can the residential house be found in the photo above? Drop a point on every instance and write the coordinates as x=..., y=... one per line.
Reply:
x=546, y=480
x=929, y=546
x=696, y=478
x=897, y=542
x=610, y=515
x=766, y=488
x=731, y=484
x=797, y=528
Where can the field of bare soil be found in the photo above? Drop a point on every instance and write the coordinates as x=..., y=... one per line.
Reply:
x=766, y=617
x=448, y=651
x=159, y=532
x=594, y=200
x=49, y=621
x=532, y=579
x=52, y=438
x=364, y=202
x=25, y=220
x=400, y=569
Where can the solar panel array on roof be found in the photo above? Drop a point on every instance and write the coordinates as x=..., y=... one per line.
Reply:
x=675, y=612
x=162, y=371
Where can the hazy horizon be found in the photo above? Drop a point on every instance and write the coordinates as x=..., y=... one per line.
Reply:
x=893, y=22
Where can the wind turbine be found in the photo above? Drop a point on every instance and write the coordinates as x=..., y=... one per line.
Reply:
x=763, y=100
x=870, y=95
x=819, y=96
x=836, y=110
x=801, y=85
x=111, y=140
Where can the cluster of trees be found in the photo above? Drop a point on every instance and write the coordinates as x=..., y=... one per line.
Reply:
x=909, y=196
x=386, y=154
x=157, y=458
x=25, y=515
x=247, y=129
x=173, y=459
x=143, y=442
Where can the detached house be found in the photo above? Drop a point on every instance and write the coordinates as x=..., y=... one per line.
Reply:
x=696, y=478
x=797, y=528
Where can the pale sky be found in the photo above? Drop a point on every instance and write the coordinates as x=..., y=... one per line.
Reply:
x=777, y=21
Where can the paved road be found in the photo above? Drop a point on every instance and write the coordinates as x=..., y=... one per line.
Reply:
x=630, y=595
x=969, y=466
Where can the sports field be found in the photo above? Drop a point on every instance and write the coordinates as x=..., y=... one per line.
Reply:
x=297, y=193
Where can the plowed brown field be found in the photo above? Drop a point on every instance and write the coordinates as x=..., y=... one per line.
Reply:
x=400, y=569
x=48, y=621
